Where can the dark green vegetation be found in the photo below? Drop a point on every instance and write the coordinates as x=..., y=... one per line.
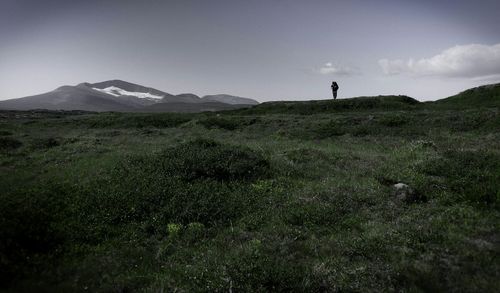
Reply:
x=485, y=96
x=329, y=106
x=249, y=200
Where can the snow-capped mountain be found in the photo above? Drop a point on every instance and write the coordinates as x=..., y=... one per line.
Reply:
x=118, y=95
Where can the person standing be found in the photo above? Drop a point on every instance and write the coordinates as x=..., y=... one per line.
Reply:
x=335, y=88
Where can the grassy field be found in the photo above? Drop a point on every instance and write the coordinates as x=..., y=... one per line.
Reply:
x=297, y=199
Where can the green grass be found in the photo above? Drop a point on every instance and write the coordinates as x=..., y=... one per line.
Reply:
x=483, y=96
x=380, y=103
x=251, y=200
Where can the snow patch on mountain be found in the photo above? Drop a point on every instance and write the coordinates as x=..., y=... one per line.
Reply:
x=116, y=91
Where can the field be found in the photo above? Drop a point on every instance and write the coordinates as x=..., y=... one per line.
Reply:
x=279, y=198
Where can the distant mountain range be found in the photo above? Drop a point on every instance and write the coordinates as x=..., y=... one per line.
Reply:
x=122, y=96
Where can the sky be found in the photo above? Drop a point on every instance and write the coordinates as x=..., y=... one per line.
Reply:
x=261, y=49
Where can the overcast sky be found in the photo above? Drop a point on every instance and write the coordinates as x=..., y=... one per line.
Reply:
x=264, y=49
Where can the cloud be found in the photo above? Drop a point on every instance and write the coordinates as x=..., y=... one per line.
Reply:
x=334, y=69
x=472, y=61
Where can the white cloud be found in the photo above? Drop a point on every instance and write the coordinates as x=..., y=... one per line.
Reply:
x=334, y=69
x=473, y=61
x=392, y=67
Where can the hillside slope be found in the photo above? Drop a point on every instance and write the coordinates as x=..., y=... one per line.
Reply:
x=329, y=106
x=78, y=97
x=229, y=99
x=482, y=96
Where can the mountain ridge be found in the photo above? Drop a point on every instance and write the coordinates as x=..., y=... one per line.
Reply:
x=121, y=96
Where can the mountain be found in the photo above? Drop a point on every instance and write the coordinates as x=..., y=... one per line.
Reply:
x=482, y=96
x=189, y=98
x=228, y=99
x=118, y=95
x=78, y=97
x=127, y=86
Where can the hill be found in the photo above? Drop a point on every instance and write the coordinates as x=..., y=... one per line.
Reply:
x=329, y=106
x=482, y=96
x=228, y=99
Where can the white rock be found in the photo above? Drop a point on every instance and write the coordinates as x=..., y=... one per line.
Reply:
x=400, y=186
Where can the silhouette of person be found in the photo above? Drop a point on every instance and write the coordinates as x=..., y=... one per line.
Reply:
x=335, y=88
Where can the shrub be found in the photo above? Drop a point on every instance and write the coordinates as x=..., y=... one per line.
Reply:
x=173, y=230
x=194, y=231
x=121, y=120
x=5, y=133
x=363, y=130
x=9, y=143
x=252, y=266
x=472, y=176
x=393, y=120
x=209, y=159
x=45, y=143
x=307, y=155
x=329, y=129
x=308, y=214
x=190, y=232
x=216, y=122
x=309, y=162
x=155, y=201
x=29, y=227
x=355, y=127
x=200, y=181
x=228, y=123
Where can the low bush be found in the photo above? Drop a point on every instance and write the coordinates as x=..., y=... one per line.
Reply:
x=45, y=143
x=30, y=225
x=216, y=122
x=309, y=163
x=276, y=264
x=149, y=202
x=120, y=120
x=5, y=133
x=303, y=156
x=329, y=129
x=9, y=143
x=228, y=123
x=393, y=120
x=472, y=176
x=337, y=128
x=202, y=158
x=199, y=181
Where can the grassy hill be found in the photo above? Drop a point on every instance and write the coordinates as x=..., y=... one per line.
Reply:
x=483, y=96
x=252, y=201
x=379, y=103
